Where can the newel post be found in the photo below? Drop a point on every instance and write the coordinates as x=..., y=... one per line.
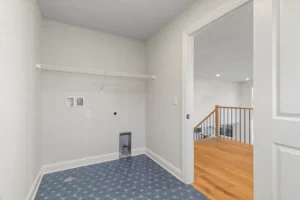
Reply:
x=217, y=120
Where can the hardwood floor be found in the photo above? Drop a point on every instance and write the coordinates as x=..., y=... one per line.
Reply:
x=224, y=169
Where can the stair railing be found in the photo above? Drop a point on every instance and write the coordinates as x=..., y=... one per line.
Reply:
x=205, y=128
x=234, y=123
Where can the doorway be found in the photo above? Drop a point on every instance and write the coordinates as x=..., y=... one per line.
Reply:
x=188, y=122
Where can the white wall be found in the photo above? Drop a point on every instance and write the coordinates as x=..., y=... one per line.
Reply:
x=246, y=94
x=164, y=59
x=209, y=93
x=67, y=133
x=20, y=145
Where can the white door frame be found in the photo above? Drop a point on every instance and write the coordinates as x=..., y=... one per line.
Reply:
x=188, y=36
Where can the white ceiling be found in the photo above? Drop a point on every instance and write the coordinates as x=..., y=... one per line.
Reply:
x=137, y=19
x=226, y=47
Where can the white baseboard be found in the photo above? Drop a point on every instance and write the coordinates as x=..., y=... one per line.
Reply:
x=50, y=168
x=33, y=189
x=165, y=164
x=138, y=151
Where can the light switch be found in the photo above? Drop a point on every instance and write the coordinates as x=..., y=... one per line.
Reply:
x=175, y=100
x=88, y=114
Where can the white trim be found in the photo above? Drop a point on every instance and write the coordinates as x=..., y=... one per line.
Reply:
x=277, y=115
x=50, y=168
x=286, y=118
x=187, y=108
x=138, y=151
x=275, y=171
x=187, y=85
x=165, y=164
x=277, y=149
x=213, y=16
x=34, y=187
x=275, y=57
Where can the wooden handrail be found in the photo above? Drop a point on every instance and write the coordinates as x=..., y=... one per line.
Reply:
x=229, y=107
x=210, y=114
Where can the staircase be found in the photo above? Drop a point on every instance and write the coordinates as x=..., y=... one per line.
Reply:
x=233, y=123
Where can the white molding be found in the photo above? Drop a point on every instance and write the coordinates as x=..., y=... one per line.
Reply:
x=187, y=85
x=165, y=164
x=216, y=14
x=276, y=159
x=71, y=164
x=277, y=149
x=277, y=115
x=138, y=151
x=187, y=108
x=34, y=187
x=50, y=168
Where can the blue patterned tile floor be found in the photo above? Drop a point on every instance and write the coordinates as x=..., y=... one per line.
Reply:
x=133, y=178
